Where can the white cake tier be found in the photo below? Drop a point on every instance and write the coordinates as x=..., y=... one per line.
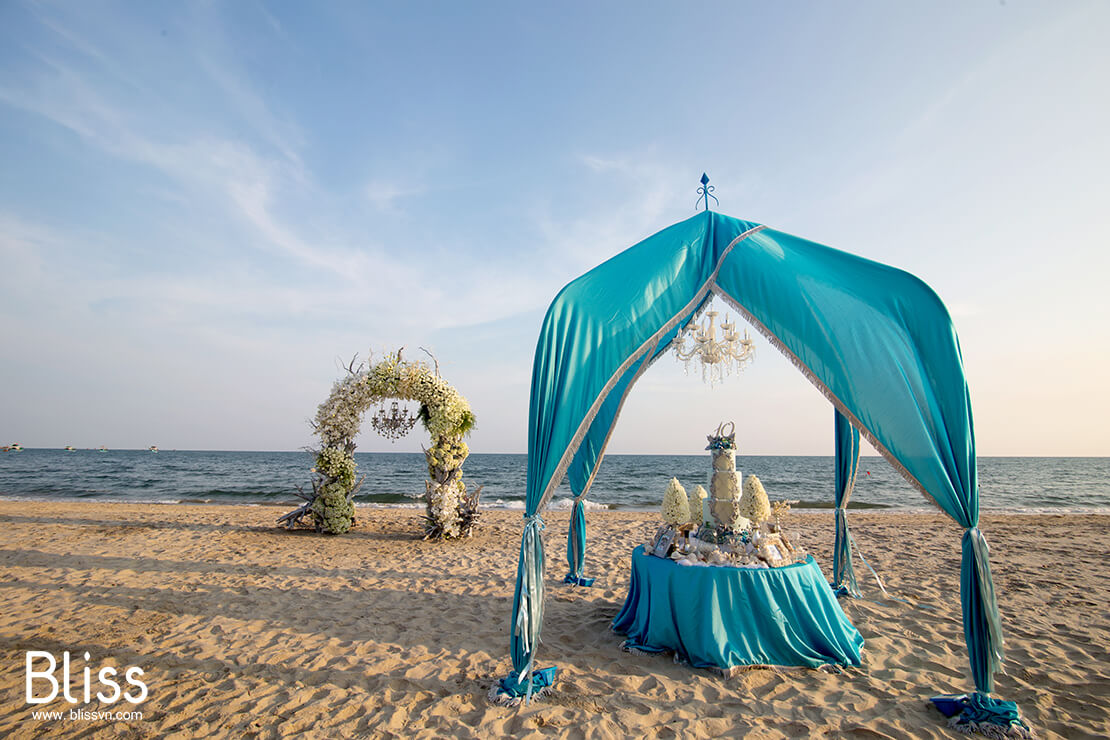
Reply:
x=724, y=460
x=727, y=514
x=725, y=485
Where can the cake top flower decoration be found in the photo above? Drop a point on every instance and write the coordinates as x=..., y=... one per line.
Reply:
x=721, y=441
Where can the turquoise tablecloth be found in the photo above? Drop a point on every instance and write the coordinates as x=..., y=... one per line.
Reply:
x=726, y=617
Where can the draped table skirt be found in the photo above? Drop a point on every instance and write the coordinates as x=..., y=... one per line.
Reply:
x=724, y=617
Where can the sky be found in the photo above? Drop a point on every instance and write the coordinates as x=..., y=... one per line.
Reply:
x=208, y=208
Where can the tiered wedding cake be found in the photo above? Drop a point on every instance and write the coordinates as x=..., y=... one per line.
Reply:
x=725, y=527
x=724, y=483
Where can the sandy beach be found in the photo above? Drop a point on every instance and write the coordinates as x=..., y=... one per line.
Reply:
x=245, y=630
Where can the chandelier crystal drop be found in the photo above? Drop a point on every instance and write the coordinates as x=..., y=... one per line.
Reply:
x=395, y=424
x=717, y=357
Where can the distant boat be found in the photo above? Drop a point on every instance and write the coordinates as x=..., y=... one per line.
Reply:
x=101, y=448
x=14, y=447
x=70, y=448
x=154, y=448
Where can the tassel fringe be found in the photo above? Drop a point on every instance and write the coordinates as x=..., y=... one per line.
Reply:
x=991, y=730
x=499, y=698
x=625, y=647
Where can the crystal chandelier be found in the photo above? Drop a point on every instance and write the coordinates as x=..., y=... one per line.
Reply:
x=394, y=425
x=717, y=358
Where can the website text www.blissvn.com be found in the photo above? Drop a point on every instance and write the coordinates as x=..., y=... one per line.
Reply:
x=85, y=715
x=43, y=687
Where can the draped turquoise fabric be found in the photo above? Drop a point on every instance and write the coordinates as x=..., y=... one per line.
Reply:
x=576, y=546
x=879, y=342
x=727, y=617
x=596, y=331
x=846, y=463
x=874, y=339
x=590, y=452
x=592, y=448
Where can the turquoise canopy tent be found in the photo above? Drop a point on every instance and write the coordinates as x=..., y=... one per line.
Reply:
x=875, y=340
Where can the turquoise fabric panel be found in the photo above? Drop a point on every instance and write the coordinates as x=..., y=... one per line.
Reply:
x=846, y=457
x=726, y=617
x=846, y=463
x=589, y=453
x=883, y=344
x=881, y=341
x=588, y=456
x=598, y=322
x=576, y=541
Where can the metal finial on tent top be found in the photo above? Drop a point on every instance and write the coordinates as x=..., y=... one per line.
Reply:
x=706, y=191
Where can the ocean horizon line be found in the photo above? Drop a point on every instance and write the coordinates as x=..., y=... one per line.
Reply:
x=876, y=456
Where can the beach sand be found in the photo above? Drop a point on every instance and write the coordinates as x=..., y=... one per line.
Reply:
x=246, y=630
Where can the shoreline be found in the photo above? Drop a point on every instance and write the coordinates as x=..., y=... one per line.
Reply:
x=558, y=505
x=556, y=510
x=246, y=629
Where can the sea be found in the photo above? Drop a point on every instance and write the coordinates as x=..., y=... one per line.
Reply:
x=636, y=482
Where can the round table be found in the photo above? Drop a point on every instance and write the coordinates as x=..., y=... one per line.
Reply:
x=725, y=617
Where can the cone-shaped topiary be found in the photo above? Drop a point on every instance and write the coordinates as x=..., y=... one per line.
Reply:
x=676, y=507
x=696, y=499
x=754, y=503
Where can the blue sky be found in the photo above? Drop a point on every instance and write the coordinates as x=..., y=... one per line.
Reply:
x=206, y=207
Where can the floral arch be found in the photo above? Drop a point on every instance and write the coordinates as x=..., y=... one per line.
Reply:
x=451, y=512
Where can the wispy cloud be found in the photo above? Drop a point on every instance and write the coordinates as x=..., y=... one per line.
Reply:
x=211, y=169
x=270, y=196
x=636, y=195
x=386, y=196
x=277, y=131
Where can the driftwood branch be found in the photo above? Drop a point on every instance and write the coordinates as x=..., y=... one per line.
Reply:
x=294, y=517
x=354, y=489
x=351, y=365
x=471, y=503
x=429, y=354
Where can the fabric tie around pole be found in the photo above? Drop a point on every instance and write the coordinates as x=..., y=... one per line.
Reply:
x=525, y=680
x=979, y=712
x=530, y=619
x=982, y=625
